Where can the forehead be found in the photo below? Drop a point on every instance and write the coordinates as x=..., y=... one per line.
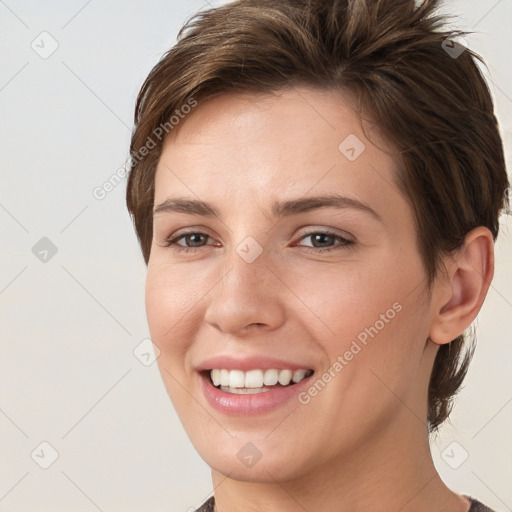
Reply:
x=291, y=143
x=281, y=122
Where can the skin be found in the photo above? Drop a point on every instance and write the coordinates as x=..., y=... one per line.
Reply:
x=362, y=443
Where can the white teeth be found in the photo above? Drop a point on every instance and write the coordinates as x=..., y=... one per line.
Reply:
x=285, y=377
x=236, y=379
x=253, y=381
x=298, y=375
x=243, y=391
x=271, y=377
x=224, y=377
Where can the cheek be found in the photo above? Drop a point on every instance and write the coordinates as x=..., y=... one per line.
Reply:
x=157, y=304
x=348, y=300
x=375, y=315
x=169, y=301
x=169, y=297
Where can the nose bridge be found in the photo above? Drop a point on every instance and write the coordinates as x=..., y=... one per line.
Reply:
x=249, y=246
x=248, y=292
x=248, y=269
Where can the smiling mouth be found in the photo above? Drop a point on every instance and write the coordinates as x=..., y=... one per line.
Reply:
x=255, y=381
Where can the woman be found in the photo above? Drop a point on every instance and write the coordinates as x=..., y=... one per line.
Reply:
x=316, y=188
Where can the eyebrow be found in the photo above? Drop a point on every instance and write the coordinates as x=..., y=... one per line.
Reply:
x=279, y=208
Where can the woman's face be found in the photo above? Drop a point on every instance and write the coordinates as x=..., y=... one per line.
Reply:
x=261, y=283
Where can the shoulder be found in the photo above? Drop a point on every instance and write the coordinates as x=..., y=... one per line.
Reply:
x=208, y=506
x=477, y=506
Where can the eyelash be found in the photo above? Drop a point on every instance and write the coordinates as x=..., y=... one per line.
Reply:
x=172, y=242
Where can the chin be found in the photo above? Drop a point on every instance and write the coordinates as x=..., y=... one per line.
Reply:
x=258, y=465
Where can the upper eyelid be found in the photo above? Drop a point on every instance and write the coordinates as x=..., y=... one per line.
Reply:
x=302, y=232
x=328, y=231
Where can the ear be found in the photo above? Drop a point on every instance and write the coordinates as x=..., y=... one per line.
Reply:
x=460, y=293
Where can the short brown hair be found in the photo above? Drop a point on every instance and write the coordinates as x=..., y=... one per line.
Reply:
x=431, y=104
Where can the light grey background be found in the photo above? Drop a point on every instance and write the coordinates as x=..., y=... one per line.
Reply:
x=69, y=325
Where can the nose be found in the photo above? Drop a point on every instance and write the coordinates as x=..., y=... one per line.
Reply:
x=248, y=296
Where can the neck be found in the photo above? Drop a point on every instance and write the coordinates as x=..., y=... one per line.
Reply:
x=394, y=474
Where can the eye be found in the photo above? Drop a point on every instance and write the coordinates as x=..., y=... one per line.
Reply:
x=324, y=238
x=195, y=238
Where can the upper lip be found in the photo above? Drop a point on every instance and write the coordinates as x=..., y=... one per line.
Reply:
x=227, y=362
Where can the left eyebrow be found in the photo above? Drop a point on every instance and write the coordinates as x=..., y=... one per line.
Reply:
x=279, y=208
x=305, y=204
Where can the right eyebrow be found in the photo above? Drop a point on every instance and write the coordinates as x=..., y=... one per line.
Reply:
x=190, y=206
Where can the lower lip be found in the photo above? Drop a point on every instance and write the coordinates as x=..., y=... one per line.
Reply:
x=253, y=404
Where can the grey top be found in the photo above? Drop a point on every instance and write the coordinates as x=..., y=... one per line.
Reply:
x=476, y=506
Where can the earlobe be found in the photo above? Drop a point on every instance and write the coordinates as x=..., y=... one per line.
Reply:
x=463, y=289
